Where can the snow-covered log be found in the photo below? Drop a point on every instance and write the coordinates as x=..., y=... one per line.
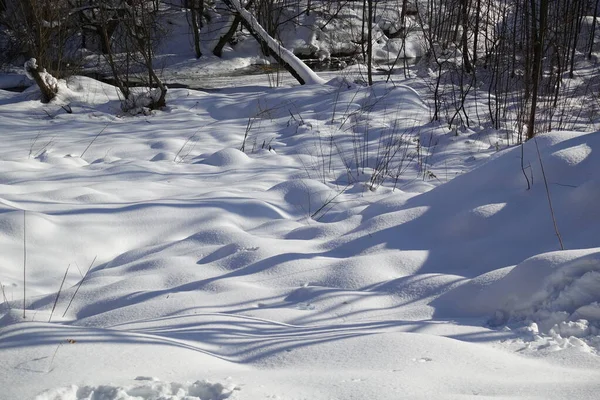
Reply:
x=286, y=58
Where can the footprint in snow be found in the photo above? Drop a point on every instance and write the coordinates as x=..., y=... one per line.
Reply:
x=422, y=359
x=305, y=306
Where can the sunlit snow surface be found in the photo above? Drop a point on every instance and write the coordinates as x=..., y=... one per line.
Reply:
x=284, y=271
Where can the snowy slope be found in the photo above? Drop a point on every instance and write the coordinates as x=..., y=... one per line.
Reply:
x=286, y=270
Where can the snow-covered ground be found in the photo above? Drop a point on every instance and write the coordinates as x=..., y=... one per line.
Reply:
x=352, y=250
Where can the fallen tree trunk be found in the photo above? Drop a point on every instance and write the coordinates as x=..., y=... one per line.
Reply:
x=283, y=56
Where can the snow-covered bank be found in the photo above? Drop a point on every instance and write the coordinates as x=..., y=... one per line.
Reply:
x=352, y=250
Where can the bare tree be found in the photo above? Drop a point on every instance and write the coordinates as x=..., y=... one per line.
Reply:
x=40, y=29
x=129, y=31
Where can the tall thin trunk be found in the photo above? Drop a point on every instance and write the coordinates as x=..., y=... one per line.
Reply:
x=579, y=18
x=468, y=68
x=362, y=30
x=538, y=35
x=370, y=42
x=195, y=28
x=476, y=30
x=226, y=38
x=403, y=16
x=593, y=30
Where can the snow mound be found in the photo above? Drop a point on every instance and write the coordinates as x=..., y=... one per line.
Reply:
x=163, y=156
x=306, y=195
x=200, y=390
x=54, y=159
x=12, y=80
x=558, y=291
x=11, y=317
x=227, y=158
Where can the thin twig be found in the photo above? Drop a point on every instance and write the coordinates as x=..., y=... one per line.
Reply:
x=94, y=139
x=329, y=201
x=248, y=128
x=54, y=355
x=523, y=166
x=33, y=144
x=562, y=247
x=78, y=286
x=189, y=139
x=24, y=261
x=58, y=294
x=4, y=295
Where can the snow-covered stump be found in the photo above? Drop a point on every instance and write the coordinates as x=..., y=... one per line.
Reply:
x=46, y=82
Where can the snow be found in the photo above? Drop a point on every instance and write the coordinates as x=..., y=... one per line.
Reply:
x=153, y=390
x=296, y=268
x=14, y=80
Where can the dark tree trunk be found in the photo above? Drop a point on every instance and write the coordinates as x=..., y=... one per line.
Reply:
x=578, y=21
x=464, y=37
x=593, y=30
x=218, y=50
x=538, y=35
x=370, y=42
x=195, y=13
x=476, y=31
x=226, y=38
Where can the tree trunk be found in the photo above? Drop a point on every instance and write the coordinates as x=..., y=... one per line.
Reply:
x=218, y=50
x=464, y=37
x=593, y=30
x=362, y=30
x=370, y=42
x=263, y=44
x=538, y=35
x=194, y=25
x=476, y=31
x=578, y=22
x=226, y=38
x=403, y=16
